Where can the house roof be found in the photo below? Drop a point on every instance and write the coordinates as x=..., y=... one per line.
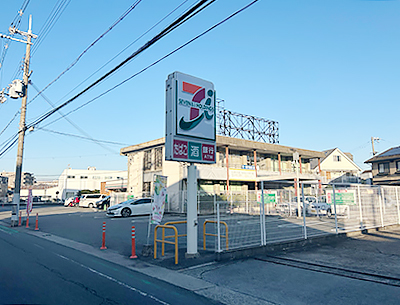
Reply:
x=329, y=152
x=390, y=154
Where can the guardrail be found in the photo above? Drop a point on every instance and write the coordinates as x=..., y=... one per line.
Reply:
x=163, y=241
x=213, y=234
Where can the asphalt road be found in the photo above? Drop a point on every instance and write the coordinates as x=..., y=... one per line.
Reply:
x=36, y=271
x=63, y=264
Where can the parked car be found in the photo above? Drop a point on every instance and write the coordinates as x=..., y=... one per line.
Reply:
x=314, y=207
x=89, y=200
x=319, y=208
x=288, y=208
x=105, y=202
x=130, y=207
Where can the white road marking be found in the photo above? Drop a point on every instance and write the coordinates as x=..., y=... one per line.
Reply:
x=114, y=280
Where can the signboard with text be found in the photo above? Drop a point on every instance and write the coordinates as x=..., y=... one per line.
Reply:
x=190, y=119
x=342, y=197
x=269, y=197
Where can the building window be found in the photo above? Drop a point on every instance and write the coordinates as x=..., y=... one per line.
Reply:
x=96, y=177
x=84, y=177
x=337, y=159
x=70, y=177
x=146, y=189
x=108, y=177
x=383, y=168
x=398, y=166
x=159, y=157
x=147, y=160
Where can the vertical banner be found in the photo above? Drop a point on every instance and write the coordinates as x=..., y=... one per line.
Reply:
x=29, y=202
x=160, y=198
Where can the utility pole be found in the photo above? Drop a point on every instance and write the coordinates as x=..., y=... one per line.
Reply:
x=372, y=142
x=22, y=126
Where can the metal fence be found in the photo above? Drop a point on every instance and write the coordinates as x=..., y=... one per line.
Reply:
x=238, y=220
x=276, y=215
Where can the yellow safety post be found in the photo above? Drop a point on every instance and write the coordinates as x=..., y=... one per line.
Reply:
x=211, y=234
x=169, y=223
x=163, y=241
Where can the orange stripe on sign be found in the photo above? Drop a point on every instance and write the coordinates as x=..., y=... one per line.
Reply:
x=187, y=87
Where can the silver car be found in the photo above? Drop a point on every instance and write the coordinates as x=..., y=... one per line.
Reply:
x=131, y=207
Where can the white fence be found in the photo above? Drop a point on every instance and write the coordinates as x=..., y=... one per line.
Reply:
x=240, y=219
x=333, y=209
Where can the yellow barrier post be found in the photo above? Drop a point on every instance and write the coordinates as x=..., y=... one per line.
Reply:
x=163, y=241
x=211, y=234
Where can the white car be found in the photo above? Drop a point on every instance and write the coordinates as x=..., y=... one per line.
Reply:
x=131, y=207
x=89, y=200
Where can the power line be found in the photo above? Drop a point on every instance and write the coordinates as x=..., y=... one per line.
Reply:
x=9, y=123
x=89, y=47
x=153, y=64
x=69, y=121
x=10, y=144
x=202, y=4
x=137, y=39
x=51, y=20
x=81, y=137
x=15, y=23
x=53, y=17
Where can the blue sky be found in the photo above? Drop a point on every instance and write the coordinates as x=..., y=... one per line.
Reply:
x=327, y=71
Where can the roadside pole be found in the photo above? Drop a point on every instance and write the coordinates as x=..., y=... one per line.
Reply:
x=296, y=162
x=22, y=127
x=304, y=211
x=191, y=211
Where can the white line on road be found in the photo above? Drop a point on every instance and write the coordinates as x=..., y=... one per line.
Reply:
x=114, y=280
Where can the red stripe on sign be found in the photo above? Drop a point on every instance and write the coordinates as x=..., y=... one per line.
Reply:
x=187, y=87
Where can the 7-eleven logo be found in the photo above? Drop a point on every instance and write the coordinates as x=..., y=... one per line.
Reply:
x=200, y=111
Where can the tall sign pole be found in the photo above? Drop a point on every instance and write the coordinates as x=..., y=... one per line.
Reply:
x=190, y=136
x=22, y=127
